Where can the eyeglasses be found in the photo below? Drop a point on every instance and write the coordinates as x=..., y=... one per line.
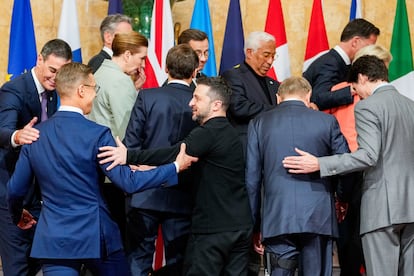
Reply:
x=95, y=87
x=201, y=54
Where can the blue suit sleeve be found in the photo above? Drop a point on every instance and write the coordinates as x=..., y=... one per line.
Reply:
x=19, y=184
x=135, y=181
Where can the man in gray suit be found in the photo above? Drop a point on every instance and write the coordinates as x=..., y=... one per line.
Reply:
x=385, y=124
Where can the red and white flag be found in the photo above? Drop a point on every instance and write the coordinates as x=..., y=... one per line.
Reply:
x=317, y=43
x=161, y=40
x=275, y=25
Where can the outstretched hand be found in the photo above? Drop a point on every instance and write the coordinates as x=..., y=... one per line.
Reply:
x=183, y=159
x=28, y=134
x=117, y=155
x=304, y=163
x=26, y=221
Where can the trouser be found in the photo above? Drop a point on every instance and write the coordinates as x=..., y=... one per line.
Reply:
x=15, y=246
x=223, y=253
x=311, y=253
x=114, y=264
x=142, y=231
x=389, y=251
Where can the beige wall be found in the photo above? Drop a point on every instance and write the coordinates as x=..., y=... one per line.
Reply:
x=46, y=15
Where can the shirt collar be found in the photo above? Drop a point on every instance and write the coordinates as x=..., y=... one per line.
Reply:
x=39, y=87
x=179, y=81
x=70, y=108
x=343, y=55
x=108, y=51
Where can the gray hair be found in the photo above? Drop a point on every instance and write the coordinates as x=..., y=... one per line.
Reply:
x=255, y=39
x=110, y=23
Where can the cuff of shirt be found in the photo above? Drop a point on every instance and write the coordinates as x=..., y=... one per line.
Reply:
x=14, y=145
x=177, y=167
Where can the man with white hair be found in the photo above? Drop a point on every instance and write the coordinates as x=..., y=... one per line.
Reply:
x=253, y=93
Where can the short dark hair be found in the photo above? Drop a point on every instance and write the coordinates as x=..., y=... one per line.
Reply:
x=370, y=66
x=56, y=47
x=191, y=34
x=181, y=61
x=219, y=89
x=359, y=27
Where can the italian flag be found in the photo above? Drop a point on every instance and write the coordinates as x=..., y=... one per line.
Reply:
x=401, y=70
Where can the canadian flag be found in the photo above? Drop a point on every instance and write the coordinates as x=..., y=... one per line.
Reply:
x=317, y=43
x=161, y=40
x=275, y=25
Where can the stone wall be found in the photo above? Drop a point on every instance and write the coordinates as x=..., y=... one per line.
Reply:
x=46, y=15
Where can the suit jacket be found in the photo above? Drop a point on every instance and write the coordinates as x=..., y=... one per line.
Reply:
x=19, y=103
x=161, y=117
x=74, y=222
x=96, y=61
x=291, y=203
x=248, y=98
x=325, y=72
x=385, y=126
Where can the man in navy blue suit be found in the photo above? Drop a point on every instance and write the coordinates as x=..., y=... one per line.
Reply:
x=75, y=226
x=295, y=214
x=20, y=109
x=161, y=117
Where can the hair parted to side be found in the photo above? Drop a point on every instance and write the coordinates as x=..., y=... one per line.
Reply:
x=374, y=50
x=294, y=86
x=370, y=66
x=255, y=40
x=110, y=23
x=70, y=76
x=131, y=41
x=359, y=27
x=218, y=89
x=56, y=47
x=181, y=61
x=191, y=34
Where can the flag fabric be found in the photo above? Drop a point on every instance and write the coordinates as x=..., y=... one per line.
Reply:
x=401, y=70
x=115, y=6
x=356, y=9
x=201, y=21
x=275, y=25
x=22, y=49
x=69, y=28
x=317, y=43
x=161, y=40
x=233, y=44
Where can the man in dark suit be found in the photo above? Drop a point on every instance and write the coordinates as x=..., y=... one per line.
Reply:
x=253, y=93
x=198, y=41
x=333, y=67
x=75, y=226
x=323, y=74
x=161, y=117
x=25, y=101
x=298, y=215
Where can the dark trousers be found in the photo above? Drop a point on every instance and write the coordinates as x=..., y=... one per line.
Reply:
x=311, y=253
x=350, y=254
x=115, y=198
x=15, y=246
x=142, y=231
x=114, y=264
x=223, y=253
